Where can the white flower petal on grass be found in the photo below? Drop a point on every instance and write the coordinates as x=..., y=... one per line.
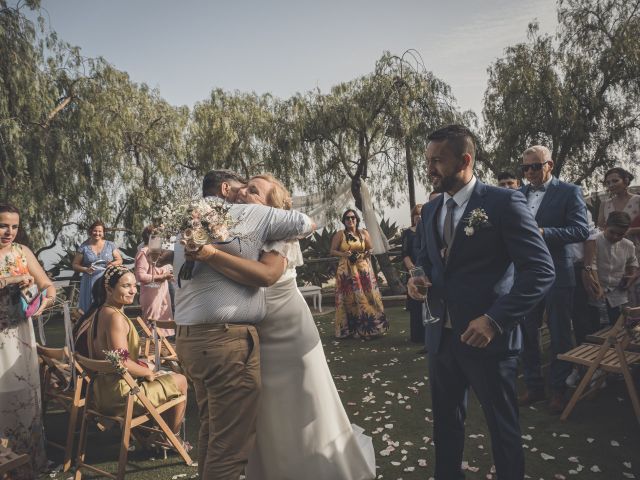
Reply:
x=628, y=475
x=627, y=464
x=595, y=469
x=422, y=462
x=546, y=456
x=573, y=459
x=590, y=440
x=614, y=443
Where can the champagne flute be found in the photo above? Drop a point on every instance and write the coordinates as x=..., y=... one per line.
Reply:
x=155, y=250
x=420, y=281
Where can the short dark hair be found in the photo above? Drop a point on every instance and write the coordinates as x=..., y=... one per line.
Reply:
x=344, y=217
x=507, y=175
x=624, y=174
x=215, y=178
x=619, y=219
x=460, y=139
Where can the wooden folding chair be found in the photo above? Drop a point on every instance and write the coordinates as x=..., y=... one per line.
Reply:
x=127, y=421
x=9, y=460
x=611, y=356
x=61, y=384
x=601, y=336
x=151, y=338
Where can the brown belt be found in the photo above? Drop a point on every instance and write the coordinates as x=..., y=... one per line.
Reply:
x=211, y=327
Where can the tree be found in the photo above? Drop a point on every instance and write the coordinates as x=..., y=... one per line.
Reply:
x=232, y=130
x=362, y=129
x=577, y=93
x=78, y=139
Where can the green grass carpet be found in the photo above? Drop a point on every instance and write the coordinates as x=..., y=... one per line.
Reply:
x=384, y=386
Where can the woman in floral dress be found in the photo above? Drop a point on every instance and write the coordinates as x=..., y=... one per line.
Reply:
x=359, y=309
x=20, y=406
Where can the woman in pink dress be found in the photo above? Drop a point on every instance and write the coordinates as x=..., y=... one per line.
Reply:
x=155, y=302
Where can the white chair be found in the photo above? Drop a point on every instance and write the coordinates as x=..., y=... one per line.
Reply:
x=315, y=292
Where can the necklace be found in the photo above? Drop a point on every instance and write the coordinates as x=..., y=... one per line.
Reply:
x=120, y=309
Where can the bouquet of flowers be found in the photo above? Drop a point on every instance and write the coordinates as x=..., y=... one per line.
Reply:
x=199, y=222
x=117, y=358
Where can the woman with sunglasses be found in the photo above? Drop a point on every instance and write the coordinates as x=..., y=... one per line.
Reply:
x=359, y=309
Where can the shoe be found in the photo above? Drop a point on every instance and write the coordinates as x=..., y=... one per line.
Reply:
x=556, y=403
x=573, y=379
x=596, y=375
x=531, y=396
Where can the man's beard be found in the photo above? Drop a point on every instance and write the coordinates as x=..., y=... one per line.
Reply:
x=446, y=183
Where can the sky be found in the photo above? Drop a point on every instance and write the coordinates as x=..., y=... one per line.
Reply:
x=185, y=49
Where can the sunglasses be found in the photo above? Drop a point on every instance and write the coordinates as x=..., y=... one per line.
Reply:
x=536, y=167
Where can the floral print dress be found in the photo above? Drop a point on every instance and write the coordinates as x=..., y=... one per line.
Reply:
x=359, y=308
x=20, y=405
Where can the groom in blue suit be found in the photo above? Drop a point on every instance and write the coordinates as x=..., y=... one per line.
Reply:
x=470, y=236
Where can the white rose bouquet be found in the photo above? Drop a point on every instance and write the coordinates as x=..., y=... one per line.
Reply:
x=199, y=222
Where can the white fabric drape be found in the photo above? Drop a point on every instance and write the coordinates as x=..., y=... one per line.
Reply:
x=323, y=212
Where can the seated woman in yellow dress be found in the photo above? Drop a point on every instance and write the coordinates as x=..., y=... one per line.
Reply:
x=110, y=329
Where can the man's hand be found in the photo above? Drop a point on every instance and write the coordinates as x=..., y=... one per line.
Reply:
x=416, y=284
x=201, y=255
x=479, y=333
x=591, y=285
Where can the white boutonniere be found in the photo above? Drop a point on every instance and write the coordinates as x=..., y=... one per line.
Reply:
x=477, y=219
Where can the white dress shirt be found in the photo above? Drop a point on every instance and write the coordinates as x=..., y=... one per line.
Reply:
x=611, y=263
x=534, y=199
x=461, y=198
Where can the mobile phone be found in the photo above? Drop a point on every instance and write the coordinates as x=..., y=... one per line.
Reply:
x=29, y=293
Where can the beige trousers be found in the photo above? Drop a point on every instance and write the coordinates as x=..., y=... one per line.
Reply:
x=223, y=362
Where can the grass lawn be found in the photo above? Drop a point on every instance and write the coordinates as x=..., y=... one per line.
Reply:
x=385, y=389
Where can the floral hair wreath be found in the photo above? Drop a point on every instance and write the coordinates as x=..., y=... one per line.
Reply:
x=113, y=270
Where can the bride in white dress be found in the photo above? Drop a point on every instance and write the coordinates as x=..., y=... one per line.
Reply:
x=303, y=431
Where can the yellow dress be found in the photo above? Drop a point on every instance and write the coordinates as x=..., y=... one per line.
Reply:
x=359, y=308
x=110, y=391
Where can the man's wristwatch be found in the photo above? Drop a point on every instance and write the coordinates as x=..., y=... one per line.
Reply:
x=588, y=268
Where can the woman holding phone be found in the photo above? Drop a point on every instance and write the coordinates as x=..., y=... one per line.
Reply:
x=94, y=255
x=21, y=419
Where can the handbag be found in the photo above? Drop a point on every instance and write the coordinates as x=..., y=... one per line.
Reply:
x=31, y=299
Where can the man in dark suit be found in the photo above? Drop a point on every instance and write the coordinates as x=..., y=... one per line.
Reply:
x=471, y=234
x=561, y=215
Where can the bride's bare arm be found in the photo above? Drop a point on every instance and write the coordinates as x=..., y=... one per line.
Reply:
x=264, y=273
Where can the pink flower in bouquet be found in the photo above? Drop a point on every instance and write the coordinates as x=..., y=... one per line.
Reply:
x=219, y=232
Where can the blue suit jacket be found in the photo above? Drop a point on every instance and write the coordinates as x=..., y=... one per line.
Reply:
x=470, y=280
x=563, y=217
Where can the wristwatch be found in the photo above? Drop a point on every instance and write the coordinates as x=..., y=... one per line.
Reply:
x=588, y=268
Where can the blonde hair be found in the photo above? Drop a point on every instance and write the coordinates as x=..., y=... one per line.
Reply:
x=279, y=196
x=540, y=151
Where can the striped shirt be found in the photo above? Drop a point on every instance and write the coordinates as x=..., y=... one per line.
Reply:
x=210, y=297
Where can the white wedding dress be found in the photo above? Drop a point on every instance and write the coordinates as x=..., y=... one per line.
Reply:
x=303, y=431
